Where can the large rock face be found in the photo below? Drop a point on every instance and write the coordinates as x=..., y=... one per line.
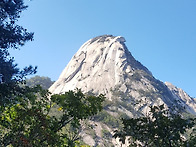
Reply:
x=104, y=65
x=98, y=66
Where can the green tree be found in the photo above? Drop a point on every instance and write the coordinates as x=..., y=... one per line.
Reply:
x=31, y=123
x=26, y=117
x=160, y=128
x=12, y=36
x=44, y=82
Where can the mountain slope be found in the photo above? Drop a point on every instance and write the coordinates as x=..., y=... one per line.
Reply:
x=105, y=65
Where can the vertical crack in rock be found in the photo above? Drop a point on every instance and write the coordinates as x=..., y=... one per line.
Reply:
x=76, y=71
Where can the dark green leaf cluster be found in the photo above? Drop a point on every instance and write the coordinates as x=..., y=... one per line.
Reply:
x=159, y=128
x=11, y=36
x=29, y=123
x=12, y=78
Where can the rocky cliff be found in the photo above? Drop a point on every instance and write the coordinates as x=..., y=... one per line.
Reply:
x=105, y=65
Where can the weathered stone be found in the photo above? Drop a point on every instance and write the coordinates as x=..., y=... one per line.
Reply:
x=105, y=65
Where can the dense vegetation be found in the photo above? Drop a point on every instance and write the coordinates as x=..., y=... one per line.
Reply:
x=12, y=36
x=161, y=127
x=31, y=122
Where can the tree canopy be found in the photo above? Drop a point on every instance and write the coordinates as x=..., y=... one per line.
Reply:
x=160, y=127
x=32, y=121
x=44, y=82
x=12, y=36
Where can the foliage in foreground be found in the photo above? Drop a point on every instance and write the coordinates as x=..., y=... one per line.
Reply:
x=160, y=128
x=12, y=36
x=26, y=118
x=29, y=123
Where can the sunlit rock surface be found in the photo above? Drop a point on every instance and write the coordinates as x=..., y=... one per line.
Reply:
x=98, y=66
x=105, y=65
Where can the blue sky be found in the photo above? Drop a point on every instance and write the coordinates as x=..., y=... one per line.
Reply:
x=161, y=34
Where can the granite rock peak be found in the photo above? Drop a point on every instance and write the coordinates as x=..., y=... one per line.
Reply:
x=105, y=65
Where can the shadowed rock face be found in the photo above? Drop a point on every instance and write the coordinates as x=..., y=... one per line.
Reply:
x=105, y=65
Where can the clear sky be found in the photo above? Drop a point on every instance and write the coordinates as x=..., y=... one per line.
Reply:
x=161, y=34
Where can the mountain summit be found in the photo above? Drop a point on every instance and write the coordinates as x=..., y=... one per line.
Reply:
x=105, y=65
x=98, y=66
